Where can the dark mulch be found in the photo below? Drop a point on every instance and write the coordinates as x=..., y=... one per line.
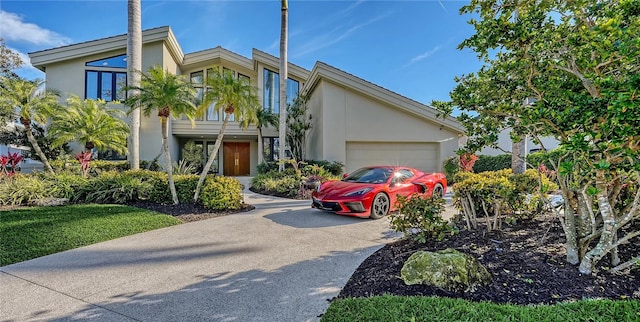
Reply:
x=189, y=212
x=527, y=262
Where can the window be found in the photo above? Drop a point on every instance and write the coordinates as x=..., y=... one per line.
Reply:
x=110, y=155
x=105, y=85
x=114, y=62
x=271, y=91
x=270, y=149
x=214, y=165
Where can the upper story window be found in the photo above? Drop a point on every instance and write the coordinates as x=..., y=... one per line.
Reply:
x=113, y=62
x=106, y=84
x=198, y=81
x=271, y=91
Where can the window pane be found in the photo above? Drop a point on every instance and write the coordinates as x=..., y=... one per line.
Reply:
x=271, y=97
x=121, y=82
x=292, y=90
x=91, y=85
x=212, y=114
x=227, y=70
x=106, y=92
x=214, y=166
x=196, y=78
x=117, y=62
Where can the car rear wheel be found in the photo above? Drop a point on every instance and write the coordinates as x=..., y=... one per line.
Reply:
x=438, y=191
x=380, y=206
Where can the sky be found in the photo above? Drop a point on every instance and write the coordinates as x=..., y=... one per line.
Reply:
x=409, y=47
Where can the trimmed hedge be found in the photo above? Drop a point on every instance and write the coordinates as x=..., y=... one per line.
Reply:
x=333, y=167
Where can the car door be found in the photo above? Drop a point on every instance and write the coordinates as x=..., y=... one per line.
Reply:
x=401, y=184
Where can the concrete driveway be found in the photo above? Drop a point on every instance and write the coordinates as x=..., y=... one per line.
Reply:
x=280, y=262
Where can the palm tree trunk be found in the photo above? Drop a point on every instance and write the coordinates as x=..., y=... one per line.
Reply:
x=167, y=158
x=34, y=144
x=134, y=64
x=207, y=166
x=260, y=146
x=282, y=137
x=518, y=163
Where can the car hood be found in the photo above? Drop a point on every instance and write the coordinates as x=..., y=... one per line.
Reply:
x=342, y=187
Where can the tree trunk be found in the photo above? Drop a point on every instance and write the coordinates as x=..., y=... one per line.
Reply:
x=260, y=146
x=34, y=144
x=207, y=166
x=134, y=67
x=608, y=227
x=282, y=137
x=167, y=158
x=518, y=163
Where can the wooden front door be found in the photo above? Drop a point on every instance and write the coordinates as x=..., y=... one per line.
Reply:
x=236, y=158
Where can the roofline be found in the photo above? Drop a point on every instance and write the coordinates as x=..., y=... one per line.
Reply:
x=40, y=59
x=325, y=71
x=217, y=52
x=273, y=61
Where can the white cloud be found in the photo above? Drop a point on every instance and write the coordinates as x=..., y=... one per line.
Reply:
x=424, y=55
x=15, y=29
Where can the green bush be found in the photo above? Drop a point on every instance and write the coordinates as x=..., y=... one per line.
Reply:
x=221, y=193
x=451, y=166
x=492, y=163
x=333, y=167
x=96, y=166
x=420, y=217
x=22, y=189
x=67, y=184
x=114, y=187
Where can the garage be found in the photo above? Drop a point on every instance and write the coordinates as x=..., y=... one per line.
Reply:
x=422, y=156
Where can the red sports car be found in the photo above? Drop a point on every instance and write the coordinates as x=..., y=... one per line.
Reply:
x=373, y=191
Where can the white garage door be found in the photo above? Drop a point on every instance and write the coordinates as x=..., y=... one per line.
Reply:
x=422, y=156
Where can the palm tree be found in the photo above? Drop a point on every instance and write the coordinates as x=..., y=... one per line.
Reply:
x=134, y=66
x=27, y=100
x=92, y=123
x=284, y=35
x=171, y=95
x=263, y=118
x=236, y=97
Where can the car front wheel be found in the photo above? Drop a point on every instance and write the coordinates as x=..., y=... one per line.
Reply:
x=380, y=206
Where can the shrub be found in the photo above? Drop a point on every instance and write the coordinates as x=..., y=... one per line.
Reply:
x=451, y=166
x=185, y=186
x=267, y=166
x=221, y=193
x=492, y=163
x=67, y=184
x=115, y=187
x=420, y=217
x=22, y=189
x=192, y=154
x=97, y=166
x=333, y=167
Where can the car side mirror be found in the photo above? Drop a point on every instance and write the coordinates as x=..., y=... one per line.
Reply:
x=345, y=175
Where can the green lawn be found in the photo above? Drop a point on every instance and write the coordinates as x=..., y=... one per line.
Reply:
x=416, y=308
x=28, y=233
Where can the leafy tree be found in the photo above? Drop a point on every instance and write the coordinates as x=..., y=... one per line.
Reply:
x=170, y=95
x=18, y=136
x=92, y=123
x=235, y=96
x=9, y=60
x=580, y=62
x=263, y=118
x=299, y=124
x=28, y=101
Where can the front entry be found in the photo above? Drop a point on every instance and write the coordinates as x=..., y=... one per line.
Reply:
x=236, y=159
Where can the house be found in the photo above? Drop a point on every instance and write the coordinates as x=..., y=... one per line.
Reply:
x=354, y=121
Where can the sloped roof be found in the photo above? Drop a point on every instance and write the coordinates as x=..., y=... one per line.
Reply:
x=323, y=71
x=40, y=59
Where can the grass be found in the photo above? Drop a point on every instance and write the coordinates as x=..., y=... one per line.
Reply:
x=415, y=308
x=28, y=233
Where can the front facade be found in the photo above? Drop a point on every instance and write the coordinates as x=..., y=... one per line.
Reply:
x=354, y=122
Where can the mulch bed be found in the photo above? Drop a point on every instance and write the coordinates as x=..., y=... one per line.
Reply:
x=189, y=212
x=526, y=260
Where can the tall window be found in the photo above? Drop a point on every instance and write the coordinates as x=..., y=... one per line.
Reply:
x=271, y=91
x=270, y=148
x=197, y=79
x=106, y=84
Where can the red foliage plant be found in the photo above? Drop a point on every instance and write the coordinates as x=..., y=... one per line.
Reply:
x=467, y=161
x=12, y=160
x=84, y=158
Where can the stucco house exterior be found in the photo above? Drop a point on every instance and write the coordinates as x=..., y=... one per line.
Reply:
x=354, y=121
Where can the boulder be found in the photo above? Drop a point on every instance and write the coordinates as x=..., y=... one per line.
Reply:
x=448, y=269
x=50, y=202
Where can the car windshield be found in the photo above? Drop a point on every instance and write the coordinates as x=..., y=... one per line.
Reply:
x=369, y=175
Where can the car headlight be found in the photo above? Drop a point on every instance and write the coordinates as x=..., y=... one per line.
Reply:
x=357, y=192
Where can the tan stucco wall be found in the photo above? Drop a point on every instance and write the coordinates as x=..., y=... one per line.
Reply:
x=345, y=116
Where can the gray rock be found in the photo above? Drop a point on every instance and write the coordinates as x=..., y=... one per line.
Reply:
x=448, y=269
x=48, y=202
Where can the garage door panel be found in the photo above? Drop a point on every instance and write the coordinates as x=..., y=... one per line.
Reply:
x=423, y=156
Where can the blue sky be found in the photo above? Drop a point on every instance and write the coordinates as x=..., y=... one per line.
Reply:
x=409, y=47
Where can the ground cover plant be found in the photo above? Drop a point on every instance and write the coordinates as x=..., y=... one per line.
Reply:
x=297, y=180
x=38, y=231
